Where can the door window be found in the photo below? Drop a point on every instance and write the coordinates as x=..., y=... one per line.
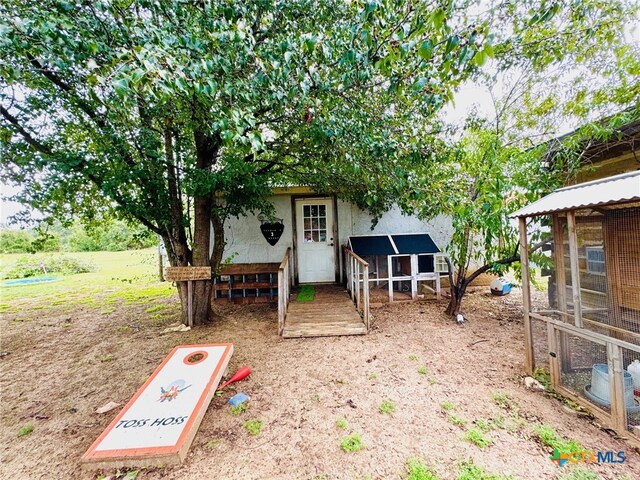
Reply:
x=315, y=223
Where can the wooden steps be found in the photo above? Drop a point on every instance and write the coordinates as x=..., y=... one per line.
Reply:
x=331, y=313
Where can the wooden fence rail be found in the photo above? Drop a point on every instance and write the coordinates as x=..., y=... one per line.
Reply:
x=357, y=272
x=284, y=288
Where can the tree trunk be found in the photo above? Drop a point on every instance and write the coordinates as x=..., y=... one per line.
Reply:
x=457, y=294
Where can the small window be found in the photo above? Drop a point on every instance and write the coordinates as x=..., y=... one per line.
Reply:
x=441, y=264
x=595, y=260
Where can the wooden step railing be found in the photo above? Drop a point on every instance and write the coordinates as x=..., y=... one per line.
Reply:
x=357, y=273
x=284, y=289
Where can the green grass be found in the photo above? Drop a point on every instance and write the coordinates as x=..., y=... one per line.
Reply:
x=447, y=406
x=341, y=423
x=457, y=421
x=423, y=370
x=484, y=425
x=581, y=473
x=129, y=277
x=306, y=294
x=238, y=409
x=352, y=443
x=504, y=401
x=25, y=430
x=413, y=357
x=469, y=471
x=477, y=437
x=315, y=397
x=373, y=376
x=417, y=470
x=388, y=406
x=548, y=437
x=213, y=443
x=254, y=426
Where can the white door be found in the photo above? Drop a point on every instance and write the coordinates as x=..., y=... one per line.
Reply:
x=316, y=253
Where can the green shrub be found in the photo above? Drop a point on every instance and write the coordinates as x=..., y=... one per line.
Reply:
x=15, y=241
x=35, y=265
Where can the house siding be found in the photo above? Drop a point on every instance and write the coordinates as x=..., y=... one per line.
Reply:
x=246, y=244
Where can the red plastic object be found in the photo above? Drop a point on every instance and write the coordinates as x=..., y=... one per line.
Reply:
x=243, y=372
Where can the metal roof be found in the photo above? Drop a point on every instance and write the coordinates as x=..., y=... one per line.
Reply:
x=393, y=244
x=617, y=189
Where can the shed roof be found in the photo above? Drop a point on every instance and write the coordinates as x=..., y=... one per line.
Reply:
x=394, y=244
x=607, y=191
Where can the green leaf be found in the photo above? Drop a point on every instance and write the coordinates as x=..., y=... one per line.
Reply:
x=426, y=50
x=121, y=86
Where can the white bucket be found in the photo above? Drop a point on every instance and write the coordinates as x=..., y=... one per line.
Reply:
x=600, y=384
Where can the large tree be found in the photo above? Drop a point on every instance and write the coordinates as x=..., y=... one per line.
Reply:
x=557, y=64
x=179, y=114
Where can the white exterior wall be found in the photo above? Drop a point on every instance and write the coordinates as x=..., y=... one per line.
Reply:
x=245, y=240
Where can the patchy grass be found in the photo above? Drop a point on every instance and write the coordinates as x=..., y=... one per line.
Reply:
x=470, y=471
x=548, y=437
x=388, y=406
x=352, y=443
x=447, y=406
x=26, y=430
x=457, y=421
x=254, y=426
x=504, y=401
x=341, y=423
x=417, y=470
x=239, y=409
x=214, y=442
x=413, y=357
x=478, y=438
x=373, y=376
x=315, y=397
x=484, y=425
x=581, y=473
x=423, y=370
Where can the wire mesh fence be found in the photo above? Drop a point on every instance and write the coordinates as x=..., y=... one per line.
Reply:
x=592, y=278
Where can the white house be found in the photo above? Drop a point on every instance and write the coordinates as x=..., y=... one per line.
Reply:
x=315, y=228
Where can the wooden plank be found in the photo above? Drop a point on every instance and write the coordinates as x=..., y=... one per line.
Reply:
x=561, y=289
x=526, y=297
x=249, y=268
x=243, y=285
x=365, y=288
x=575, y=268
x=179, y=274
x=616, y=387
x=158, y=425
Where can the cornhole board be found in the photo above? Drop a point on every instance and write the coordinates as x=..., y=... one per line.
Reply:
x=159, y=423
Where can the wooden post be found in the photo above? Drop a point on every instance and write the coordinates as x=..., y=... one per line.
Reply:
x=616, y=387
x=365, y=288
x=529, y=359
x=561, y=290
x=190, y=301
x=390, y=275
x=575, y=268
x=414, y=276
x=160, y=264
x=555, y=359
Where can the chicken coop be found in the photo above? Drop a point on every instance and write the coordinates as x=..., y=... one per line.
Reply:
x=406, y=265
x=586, y=331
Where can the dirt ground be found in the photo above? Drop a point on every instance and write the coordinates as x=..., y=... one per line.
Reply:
x=57, y=368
